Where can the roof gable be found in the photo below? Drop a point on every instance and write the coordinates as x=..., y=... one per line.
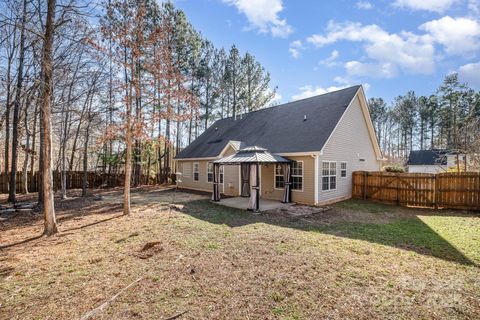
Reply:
x=368, y=121
x=299, y=126
x=427, y=157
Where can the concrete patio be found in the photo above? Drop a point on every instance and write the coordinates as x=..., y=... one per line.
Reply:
x=242, y=203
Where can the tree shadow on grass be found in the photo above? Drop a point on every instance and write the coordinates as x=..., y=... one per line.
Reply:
x=408, y=233
x=77, y=209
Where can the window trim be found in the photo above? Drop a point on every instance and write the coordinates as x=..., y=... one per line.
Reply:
x=346, y=169
x=208, y=172
x=274, y=176
x=303, y=176
x=221, y=173
x=336, y=175
x=198, y=172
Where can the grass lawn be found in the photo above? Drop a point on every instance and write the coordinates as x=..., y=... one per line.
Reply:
x=358, y=260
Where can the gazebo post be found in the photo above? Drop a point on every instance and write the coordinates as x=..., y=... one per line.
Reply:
x=216, y=193
x=257, y=204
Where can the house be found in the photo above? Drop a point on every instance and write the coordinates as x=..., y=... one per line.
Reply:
x=437, y=161
x=325, y=137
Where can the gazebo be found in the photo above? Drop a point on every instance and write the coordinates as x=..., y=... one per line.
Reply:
x=249, y=159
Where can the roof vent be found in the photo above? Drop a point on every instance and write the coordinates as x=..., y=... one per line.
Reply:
x=214, y=141
x=304, y=117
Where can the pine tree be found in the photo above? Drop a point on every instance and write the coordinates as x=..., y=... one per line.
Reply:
x=235, y=76
x=257, y=84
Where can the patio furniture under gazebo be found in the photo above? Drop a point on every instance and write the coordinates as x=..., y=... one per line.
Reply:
x=249, y=159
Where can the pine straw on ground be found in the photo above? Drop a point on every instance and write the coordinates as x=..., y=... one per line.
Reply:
x=199, y=260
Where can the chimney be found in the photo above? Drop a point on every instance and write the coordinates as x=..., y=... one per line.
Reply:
x=304, y=117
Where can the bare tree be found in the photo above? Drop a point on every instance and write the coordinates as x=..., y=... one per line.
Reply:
x=47, y=71
x=16, y=107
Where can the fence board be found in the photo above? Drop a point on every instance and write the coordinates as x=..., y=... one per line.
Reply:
x=443, y=190
x=74, y=180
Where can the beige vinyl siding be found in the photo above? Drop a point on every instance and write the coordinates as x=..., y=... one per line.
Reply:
x=230, y=185
x=188, y=182
x=306, y=196
x=349, y=142
x=231, y=180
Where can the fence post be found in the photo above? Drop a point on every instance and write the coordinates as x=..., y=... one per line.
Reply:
x=398, y=188
x=364, y=185
x=435, y=191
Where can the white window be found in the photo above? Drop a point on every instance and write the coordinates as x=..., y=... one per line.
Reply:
x=297, y=175
x=187, y=169
x=329, y=175
x=343, y=169
x=210, y=172
x=195, y=171
x=278, y=176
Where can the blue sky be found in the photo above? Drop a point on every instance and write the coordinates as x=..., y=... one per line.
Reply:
x=311, y=47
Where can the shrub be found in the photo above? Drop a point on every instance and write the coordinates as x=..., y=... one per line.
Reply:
x=394, y=168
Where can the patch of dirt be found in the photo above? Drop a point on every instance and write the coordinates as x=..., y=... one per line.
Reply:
x=149, y=249
x=298, y=211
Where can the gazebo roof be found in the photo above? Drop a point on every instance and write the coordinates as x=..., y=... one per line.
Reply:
x=252, y=154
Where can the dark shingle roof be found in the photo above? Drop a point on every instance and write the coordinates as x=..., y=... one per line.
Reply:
x=279, y=129
x=427, y=157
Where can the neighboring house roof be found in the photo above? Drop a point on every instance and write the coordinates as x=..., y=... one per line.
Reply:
x=300, y=126
x=428, y=157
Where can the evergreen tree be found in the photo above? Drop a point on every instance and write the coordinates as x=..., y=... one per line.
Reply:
x=235, y=77
x=257, y=84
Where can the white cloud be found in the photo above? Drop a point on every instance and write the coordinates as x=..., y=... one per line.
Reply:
x=406, y=51
x=310, y=91
x=459, y=36
x=263, y=15
x=427, y=5
x=365, y=5
x=372, y=70
x=295, y=48
x=330, y=61
x=470, y=73
x=474, y=6
x=277, y=98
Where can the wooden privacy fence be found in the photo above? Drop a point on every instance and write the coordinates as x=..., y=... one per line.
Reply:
x=443, y=190
x=74, y=180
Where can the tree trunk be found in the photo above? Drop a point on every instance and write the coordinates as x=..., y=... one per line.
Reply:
x=128, y=135
x=77, y=133
x=34, y=139
x=85, y=149
x=128, y=159
x=8, y=108
x=16, y=109
x=47, y=66
x=27, y=149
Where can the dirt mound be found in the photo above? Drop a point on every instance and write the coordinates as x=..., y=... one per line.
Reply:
x=149, y=249
x=298, y=211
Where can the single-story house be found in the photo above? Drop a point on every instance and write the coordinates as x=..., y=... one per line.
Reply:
x=436, y=161
x=325, y=138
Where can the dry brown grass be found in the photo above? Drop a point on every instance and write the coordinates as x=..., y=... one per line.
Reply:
x=220, y=263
